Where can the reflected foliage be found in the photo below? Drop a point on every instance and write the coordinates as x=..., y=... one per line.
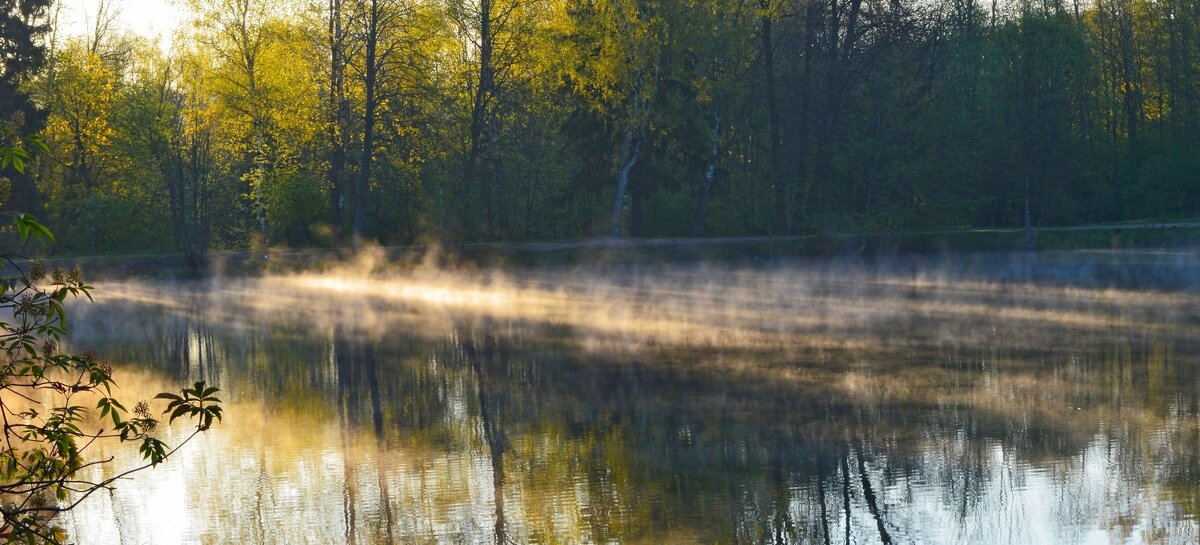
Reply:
x=962, y=415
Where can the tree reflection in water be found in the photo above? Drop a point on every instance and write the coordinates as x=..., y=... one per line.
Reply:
x=959, y=413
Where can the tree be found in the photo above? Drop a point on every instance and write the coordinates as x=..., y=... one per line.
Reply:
x=47, y=397
x=390, y=75
x=778, y=180
x=472, y=120
x=497, y=38
x=375, y=18
x=80, y=91
x=337, y=112
x=612, y=69
x=185, y=141
x=718, y=45
x=634, y=37
x=238, y=32
x=102, y=186
x=1045, y=60
x=22, y=55
x=22, y=25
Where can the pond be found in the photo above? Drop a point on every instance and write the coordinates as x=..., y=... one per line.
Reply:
x=985, y=398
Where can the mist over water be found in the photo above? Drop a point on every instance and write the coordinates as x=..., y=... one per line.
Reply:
x=986, y=398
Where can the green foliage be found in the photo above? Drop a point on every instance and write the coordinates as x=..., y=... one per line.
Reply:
x=46, y=398
x=872, y=117
x=295, y=204
x=22, y=54
x=193, y=405
x=27, y=225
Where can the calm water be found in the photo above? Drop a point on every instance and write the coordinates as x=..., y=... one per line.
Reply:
x=979, y=399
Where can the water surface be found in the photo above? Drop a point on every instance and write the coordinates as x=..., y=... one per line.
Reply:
x=969, y=399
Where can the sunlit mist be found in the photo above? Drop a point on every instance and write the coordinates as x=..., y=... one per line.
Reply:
x=647, y=404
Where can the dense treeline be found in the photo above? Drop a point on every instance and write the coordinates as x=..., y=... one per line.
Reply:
x=397, y=120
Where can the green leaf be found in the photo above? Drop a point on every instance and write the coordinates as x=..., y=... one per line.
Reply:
x=27, y=224
x=179, y=411
x=153, y=450
x=40, y=142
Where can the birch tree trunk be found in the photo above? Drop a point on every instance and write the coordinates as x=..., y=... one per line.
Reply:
x=630, y=153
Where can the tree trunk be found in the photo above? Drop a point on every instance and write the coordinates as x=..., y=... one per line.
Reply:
x=1030, y=242
x=477, y=173
x=778, y=186
x=370, y=78
x=637, y=198
x=260, y=159
x=338, y=120
x=630, y=152
x=710, y=172
x=811, y=19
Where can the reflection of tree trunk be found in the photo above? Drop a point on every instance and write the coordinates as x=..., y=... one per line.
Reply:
x=869, y=495
x=348, y=488
x=177, y=348
x=846, y=493
x=973, y=463
x=783, y=518
x=496, y=449
x=342, y=365
x=204, y=343
x=377, y=421
x=493, y=434
x=373, y=385
x=385, y=497
x=821, y=501
x=204, y=348
x=263, y=481
x=349, y=492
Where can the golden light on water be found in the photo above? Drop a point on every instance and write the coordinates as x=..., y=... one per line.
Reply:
x=744, y=307
x=473, y=298
x=356, y=404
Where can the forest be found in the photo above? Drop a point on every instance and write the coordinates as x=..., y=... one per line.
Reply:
x=619, y=343
x=329, y=122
